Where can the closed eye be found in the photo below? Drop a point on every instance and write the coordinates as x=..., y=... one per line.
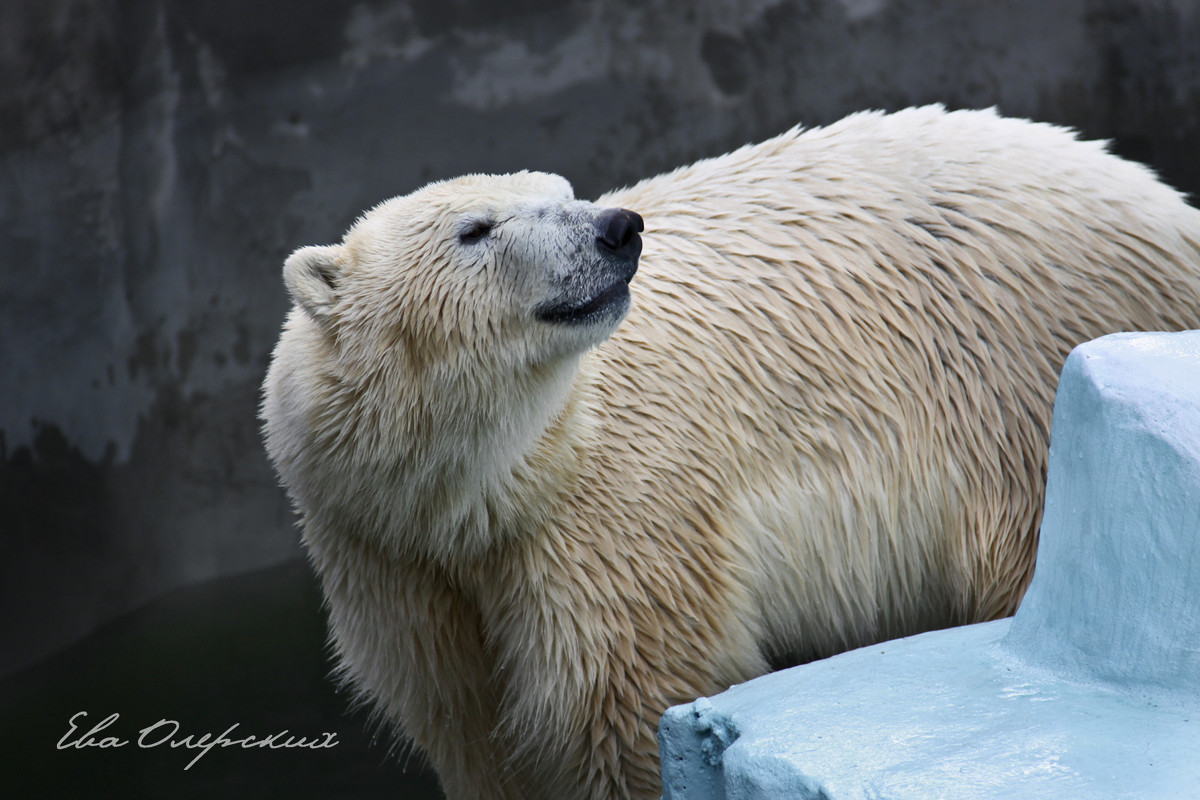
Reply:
x=476, y=231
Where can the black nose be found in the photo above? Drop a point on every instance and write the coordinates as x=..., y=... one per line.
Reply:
x=619, y=228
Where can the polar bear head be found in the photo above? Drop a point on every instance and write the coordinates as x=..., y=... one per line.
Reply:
x=483, y=271
x=428, y=352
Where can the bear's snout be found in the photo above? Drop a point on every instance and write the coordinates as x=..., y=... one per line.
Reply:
x=618, y=233
x=594, y=290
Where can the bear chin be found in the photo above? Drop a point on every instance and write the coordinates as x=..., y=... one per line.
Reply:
x=608, y=307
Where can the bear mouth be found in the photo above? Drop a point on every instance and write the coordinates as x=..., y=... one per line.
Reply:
x=611, y=301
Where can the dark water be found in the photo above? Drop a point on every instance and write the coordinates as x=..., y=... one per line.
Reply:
x=248, y=651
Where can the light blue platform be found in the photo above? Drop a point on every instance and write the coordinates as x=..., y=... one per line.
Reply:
x=1091, y=691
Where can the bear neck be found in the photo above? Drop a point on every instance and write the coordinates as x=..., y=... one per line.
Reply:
x=475, y=461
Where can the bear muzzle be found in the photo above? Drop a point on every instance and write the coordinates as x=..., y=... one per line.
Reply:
x=606, y=293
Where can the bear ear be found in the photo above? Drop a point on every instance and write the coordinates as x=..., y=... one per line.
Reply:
x=311, y=275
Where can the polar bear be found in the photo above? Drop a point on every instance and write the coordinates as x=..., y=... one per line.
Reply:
x=542, y=512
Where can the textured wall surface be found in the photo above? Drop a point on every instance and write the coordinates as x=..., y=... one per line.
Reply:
x=159, y=158
x=1091, y=692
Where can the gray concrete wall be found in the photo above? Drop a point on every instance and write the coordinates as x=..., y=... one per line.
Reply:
x=159, y=159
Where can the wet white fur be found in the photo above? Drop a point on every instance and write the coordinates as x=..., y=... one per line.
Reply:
x=823, y=423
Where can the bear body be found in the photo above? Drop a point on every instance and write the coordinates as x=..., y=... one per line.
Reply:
x=542, y=515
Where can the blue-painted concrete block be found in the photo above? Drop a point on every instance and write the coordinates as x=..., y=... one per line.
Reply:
x=1116, y=595
x=1091, y=691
